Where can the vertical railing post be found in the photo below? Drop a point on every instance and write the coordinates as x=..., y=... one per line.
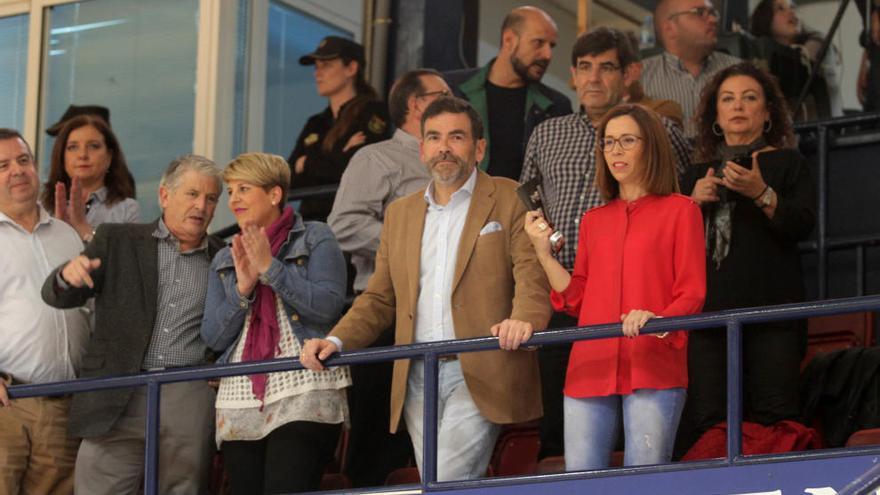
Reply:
x=734, y=390
x=860, y=271
x=822, y=214
x=429, y=443
x=151, y=440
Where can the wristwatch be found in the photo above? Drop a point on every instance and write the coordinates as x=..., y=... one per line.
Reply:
x=765, y=199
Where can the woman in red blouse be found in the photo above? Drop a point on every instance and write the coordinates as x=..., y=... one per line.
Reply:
x=640, y=256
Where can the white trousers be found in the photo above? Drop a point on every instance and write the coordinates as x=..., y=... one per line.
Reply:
x=465, y=438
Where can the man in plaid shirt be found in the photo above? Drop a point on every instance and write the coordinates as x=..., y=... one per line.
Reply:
x=562, y=151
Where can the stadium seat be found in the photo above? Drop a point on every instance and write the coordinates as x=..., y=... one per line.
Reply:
x=864, y=437
x=516, y=450
x=830, y=333
x=403, y=476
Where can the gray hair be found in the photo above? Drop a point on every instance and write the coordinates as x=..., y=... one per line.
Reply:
x=186, y=163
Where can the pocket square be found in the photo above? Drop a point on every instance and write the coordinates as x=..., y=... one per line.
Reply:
x=490, y=227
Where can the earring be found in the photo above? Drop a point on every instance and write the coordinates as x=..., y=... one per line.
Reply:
x=768, y=124
x=716, y=129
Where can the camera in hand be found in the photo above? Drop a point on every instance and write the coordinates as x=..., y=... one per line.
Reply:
x=530, y=193
x=744, y=161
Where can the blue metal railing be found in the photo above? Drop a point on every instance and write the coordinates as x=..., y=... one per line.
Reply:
x=850, y=132
x=430, y=351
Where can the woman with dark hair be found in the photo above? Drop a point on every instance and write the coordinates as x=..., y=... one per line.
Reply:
x=354, y=117
x=89, y=182
x=640, y=256
x=758, y=202
x=776, y=24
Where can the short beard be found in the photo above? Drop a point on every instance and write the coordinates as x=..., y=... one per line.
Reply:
x=452, y=177
x=522, y=70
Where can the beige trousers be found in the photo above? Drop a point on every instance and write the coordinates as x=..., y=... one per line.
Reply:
x=36, y=455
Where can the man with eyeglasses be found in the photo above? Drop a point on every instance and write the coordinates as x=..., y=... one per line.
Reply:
x=688, y=31
x=562, y=152
x=378, y=174
x=508, y=93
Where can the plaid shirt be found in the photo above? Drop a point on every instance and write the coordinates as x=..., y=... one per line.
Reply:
x=183, y=285
x=664, y=76
x=562, y=151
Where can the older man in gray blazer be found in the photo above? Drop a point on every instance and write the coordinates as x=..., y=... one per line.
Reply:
x=149, y=282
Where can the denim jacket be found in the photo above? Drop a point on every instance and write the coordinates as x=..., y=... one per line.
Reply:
x=308, y=274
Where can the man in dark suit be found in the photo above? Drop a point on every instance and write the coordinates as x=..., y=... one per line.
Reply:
x=149, y=282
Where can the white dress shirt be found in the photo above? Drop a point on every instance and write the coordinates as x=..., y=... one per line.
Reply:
x=440, y=239
x=38, y=344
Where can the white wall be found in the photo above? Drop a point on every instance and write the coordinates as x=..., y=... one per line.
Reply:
x=818, y=16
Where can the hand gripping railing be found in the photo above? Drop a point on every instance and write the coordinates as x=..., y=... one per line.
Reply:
x=430, y=351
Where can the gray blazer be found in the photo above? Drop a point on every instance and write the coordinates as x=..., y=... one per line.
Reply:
x=126, y=290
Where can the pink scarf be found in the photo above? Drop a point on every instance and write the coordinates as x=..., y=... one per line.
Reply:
x=264, y=334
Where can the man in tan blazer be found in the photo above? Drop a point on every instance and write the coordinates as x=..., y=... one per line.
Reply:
x=454, y=262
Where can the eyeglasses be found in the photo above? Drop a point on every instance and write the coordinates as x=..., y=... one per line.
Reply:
x=627, y=142
x=605, y=68
x=704, y=12
x=442, y=92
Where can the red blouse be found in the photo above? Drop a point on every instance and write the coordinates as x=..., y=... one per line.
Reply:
x=648, y=254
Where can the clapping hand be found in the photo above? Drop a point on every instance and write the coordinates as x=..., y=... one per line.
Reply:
x=72, y=210
x=245, y=273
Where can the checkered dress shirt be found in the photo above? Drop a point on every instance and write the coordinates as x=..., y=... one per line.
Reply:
x=183, y=285
x=665, y=77
x=563, y=151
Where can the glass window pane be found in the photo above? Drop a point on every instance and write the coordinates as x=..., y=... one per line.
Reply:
x=13, y=58
x=138, y=58
x=239, y=124
x=290, y=88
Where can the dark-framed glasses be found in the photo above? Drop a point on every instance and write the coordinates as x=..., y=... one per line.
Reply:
x=627, y=142
x=441, y=92
x=703, y=12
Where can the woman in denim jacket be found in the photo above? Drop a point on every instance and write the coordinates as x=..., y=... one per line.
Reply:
x=282, y=281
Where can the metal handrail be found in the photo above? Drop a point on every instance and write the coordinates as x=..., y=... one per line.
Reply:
x=430, y=351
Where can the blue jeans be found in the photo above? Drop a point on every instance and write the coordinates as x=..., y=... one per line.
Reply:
x=650, y=421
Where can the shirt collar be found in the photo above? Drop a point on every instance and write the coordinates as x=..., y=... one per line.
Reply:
x=45, y=219
x=163, y=233
x=99, y=195
x=676, y=62
x=406, y=139
x=466, y=190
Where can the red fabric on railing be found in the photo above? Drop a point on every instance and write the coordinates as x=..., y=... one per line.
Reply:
x=784, y=436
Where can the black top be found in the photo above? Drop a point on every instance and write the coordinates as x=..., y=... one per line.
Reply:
x=326, y=168
x=763, y=264
x=507, y=112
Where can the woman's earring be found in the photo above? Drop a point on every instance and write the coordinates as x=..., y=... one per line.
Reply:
x=716, y=129
x=768, y=124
